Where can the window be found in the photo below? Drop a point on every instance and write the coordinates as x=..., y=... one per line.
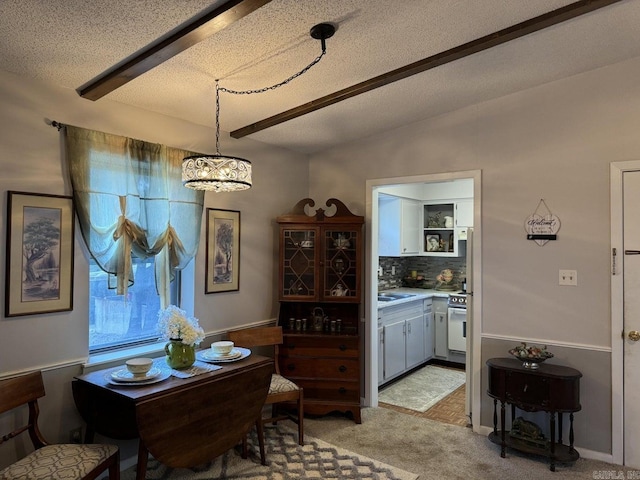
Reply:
x=116, y=323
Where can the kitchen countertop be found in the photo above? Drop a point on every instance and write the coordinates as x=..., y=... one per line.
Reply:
x=418, y=294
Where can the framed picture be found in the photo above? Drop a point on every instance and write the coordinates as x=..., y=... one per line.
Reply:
x=40, y=236
x=433, y=242
x=222, y=268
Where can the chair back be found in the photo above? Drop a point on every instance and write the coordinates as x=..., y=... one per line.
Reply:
x=259, y=337
x=23, y=390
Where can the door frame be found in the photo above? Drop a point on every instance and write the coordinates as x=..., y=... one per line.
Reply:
x=474, y=360
x=617, y=170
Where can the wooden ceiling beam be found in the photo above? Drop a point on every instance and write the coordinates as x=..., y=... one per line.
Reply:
x=505, y=35
x=163, y=49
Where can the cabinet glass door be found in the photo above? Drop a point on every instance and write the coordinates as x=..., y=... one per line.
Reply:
x=299, y=263
x=340, y=264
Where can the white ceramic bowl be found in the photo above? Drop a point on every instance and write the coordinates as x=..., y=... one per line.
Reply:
x=222, y=348
x=139, y=366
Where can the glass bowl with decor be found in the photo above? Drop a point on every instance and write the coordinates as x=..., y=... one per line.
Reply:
x=531, y=356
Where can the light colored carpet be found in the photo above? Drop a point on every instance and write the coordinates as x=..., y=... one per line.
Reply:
x=437, y=451
x=285, y=460
x=422, y=389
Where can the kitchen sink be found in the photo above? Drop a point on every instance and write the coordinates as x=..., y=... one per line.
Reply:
x=383, y=298
x=394, y=296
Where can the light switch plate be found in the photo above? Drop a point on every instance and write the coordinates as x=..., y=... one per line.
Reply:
x=568, y=277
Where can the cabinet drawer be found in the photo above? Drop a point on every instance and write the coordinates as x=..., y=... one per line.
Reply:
x=338, y=368
x=320, y=346
x=330, y=390
x=527, y=390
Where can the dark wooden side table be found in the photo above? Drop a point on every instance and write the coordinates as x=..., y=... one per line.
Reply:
x=550, y=388
x=181, y=422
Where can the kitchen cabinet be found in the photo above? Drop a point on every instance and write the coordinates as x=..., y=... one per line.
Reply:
x=464, y=213
x=403, y=341
x=441, y=328
x=398, y=226
x=319, y=280
x=439, y=233
x=427, y=319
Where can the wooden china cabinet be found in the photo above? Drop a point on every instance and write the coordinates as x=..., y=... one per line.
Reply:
x=320, y=270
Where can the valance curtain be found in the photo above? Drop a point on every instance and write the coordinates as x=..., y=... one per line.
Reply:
x=130, y=200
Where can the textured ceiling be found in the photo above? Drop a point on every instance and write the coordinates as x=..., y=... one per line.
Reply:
x=69, y=42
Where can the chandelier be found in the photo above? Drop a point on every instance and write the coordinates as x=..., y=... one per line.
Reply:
x=224, y=173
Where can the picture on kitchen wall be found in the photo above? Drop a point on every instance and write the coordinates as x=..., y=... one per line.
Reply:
x=222, y=269
x=39, y=264
x=433, y=242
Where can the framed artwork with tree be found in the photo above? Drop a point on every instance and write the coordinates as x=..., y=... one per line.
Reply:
x=222, y=268
x=39, y=263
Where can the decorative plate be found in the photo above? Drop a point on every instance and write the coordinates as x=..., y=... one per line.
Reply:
x=125, y=375
x=163, y=375
x=210, y=357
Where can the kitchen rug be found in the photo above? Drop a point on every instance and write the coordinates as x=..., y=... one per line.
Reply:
x=285, y=460
x=422, y=389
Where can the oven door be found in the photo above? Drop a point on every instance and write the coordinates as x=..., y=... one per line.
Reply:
x=457, y=329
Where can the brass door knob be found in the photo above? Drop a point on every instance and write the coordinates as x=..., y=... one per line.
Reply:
x=634, y=335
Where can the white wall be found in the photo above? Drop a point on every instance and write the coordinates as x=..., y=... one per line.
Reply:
x=553, y=142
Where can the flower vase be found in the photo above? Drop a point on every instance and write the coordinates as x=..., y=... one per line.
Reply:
x=179, y=355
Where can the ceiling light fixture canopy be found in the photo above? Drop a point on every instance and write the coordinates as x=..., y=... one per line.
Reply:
x=223, y=173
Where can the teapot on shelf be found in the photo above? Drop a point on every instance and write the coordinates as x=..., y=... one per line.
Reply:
x=341, y=242
x=318, y=318
x=339, y=291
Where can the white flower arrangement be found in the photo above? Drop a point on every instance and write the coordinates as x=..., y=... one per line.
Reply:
x=173, y=324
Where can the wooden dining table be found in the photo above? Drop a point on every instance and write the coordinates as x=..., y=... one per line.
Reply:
x=181, y=422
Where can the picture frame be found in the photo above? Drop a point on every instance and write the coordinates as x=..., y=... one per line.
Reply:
x=432, y=242
x=222, y=268
x=39, y=254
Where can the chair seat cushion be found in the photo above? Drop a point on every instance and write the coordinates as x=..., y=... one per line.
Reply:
x=279, y=384
x=59, y=462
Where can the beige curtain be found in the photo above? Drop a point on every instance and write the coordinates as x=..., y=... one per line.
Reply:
x=130, y=200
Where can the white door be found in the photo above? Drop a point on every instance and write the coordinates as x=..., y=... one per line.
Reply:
x=631, y=269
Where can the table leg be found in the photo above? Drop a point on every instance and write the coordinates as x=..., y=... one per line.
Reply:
x=552, y=446
x=560, y=414
x=143, y=456
x=571, y=432
x=495, y=416
x=504, y=440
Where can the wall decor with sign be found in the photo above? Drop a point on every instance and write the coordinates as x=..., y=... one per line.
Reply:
x=542, y=225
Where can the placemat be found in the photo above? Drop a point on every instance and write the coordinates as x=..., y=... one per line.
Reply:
x=198, y=368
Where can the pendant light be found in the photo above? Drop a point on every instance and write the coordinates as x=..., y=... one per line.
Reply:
x=224, y=173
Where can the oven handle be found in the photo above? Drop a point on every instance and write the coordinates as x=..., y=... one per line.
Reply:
x=462, y=311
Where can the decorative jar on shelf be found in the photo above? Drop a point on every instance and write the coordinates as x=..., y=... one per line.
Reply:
x=179, y=355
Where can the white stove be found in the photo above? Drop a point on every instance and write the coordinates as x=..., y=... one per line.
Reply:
x=457, y=316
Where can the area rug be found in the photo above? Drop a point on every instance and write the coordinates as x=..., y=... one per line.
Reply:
x=285, y=460
x=423, y=389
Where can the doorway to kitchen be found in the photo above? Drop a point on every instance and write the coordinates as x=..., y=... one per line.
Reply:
x=453, y=249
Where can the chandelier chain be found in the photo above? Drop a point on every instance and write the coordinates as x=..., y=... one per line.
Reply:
x=277, y=85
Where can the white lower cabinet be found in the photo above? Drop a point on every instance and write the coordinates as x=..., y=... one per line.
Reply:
x=427, y=319
x=441, y=328
x=403, y=339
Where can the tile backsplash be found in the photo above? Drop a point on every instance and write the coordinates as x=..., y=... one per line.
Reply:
x=428, y=267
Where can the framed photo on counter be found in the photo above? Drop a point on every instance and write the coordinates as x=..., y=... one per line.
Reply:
x=432, y=242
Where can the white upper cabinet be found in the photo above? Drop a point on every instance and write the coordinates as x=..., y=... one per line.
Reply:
x=399, y=223
x=464, y=213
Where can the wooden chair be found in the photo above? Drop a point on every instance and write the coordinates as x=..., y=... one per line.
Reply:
x=68, y=461
x=281, y=389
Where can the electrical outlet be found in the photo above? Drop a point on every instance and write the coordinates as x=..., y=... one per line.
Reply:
x=393, y=270
x=75, y=435
x=379, y=271
x=568, y=277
